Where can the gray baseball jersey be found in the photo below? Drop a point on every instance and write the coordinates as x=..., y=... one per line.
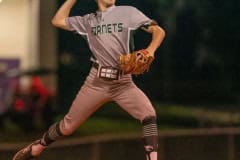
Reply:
x=109, y=33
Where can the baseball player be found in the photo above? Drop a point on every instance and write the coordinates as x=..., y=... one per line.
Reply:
x=108, y=32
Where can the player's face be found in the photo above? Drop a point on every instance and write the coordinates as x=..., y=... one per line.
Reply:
x=107, y=3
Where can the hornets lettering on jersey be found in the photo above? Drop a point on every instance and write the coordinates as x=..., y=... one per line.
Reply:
x=107, y=28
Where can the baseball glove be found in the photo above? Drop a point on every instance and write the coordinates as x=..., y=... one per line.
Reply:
x=135, y=63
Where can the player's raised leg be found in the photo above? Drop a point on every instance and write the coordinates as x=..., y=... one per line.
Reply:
x=136, y=103
x=88, y=100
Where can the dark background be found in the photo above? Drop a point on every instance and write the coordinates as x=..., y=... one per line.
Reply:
x=194, y=77
x=197, y=64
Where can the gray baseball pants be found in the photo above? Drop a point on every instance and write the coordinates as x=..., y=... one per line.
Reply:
x=95, y=92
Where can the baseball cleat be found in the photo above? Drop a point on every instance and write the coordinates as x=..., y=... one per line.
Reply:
x=25, y=153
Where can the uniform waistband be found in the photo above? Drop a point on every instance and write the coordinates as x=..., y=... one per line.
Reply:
x=96, y=66
x=120, y=74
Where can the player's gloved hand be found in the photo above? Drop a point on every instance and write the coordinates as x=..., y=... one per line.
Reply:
x=135, y=63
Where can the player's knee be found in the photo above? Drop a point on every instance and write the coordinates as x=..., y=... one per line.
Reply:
x=67, y=131
x=153, y=113
x=150, y=113
x=66, y=128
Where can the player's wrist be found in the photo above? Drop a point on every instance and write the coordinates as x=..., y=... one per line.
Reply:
x=150, y=51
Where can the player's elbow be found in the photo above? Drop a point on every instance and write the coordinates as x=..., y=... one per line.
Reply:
x=160, y=31
x=55, y=22
x=60, y=23
x=157, y=30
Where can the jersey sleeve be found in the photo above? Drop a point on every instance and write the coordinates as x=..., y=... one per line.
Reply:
x=138, y=19
x=77, y=24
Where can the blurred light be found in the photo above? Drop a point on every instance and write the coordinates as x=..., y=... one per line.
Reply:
x=1, y=1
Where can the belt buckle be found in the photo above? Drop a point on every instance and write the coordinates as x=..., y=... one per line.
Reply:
x=108, y=73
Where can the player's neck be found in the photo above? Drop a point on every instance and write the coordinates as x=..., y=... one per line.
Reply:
x=103, y=7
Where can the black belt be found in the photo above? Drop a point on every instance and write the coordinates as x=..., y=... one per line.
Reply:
x=95, y=65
